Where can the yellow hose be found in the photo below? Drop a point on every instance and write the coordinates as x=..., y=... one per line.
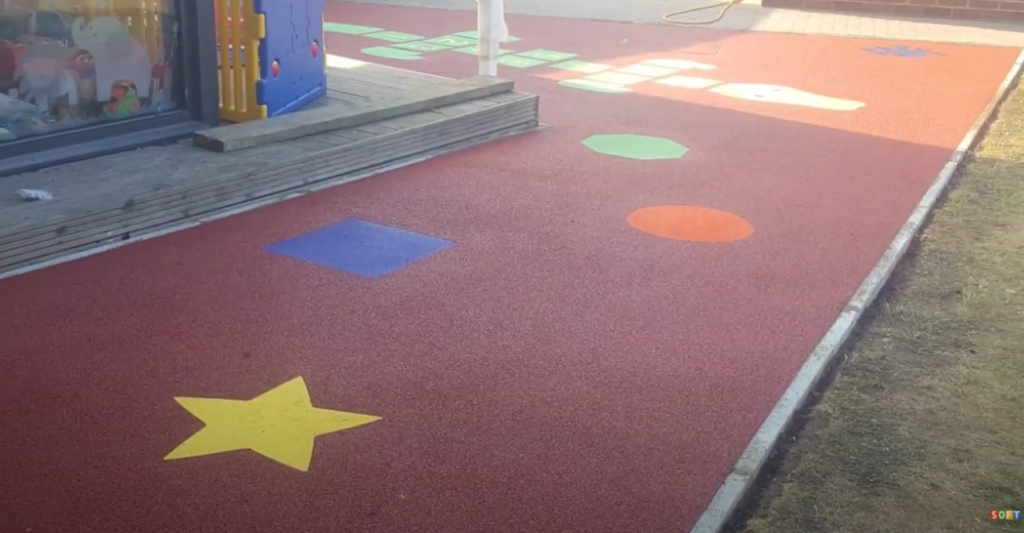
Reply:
x=671, y=17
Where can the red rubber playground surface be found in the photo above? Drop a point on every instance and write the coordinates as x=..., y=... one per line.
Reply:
x=555, y=352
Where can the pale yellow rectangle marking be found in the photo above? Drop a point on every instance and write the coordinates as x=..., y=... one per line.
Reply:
x=679, y=64
x=688, y=82
x=584, y=67
x=647, y=70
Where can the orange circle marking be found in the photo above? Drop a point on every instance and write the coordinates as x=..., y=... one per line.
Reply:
x=690, y=223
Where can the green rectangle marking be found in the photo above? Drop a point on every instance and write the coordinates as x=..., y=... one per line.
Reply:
x=391, y=53
x=518, y=61
x=420, y=46
x=473, y=50
x=394, y=36
x=350, y=29
x=474, y=35
x=547, y=55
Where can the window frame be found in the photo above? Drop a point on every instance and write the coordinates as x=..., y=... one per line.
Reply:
x=196, y=63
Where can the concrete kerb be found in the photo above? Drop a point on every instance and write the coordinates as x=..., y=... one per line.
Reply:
x=744, y=476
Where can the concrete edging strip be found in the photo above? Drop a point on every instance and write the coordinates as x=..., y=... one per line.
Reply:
x=744, y=475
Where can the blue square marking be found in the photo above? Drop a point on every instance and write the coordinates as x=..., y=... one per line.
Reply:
x=361, y=248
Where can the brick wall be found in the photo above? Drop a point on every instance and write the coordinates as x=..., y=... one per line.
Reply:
x=997, y=10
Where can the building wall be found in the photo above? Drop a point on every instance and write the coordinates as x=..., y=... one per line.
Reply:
x=993, y=10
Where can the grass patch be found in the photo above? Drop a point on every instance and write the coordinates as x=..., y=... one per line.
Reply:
x=922, y=428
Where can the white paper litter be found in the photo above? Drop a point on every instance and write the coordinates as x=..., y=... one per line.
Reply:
x=34, y=195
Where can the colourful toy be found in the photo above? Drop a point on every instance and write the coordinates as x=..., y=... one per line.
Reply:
x=290, y=67
x=44, y=79
x=123, y=100
x=116, y=54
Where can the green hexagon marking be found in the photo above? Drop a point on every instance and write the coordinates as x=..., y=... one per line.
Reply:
x=391, y=53
x=635, y=146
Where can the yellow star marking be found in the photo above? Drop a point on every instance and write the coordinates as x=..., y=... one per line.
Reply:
x=280, y=424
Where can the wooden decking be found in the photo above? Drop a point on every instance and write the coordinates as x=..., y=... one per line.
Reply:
x=355, y=83
x=131, y=195
x=358, y=93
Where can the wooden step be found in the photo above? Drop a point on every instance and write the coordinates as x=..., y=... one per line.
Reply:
x=358, y=95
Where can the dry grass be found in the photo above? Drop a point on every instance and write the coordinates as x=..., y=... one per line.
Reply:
x=922, y=429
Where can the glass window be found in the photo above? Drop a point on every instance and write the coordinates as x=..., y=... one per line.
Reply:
x=69, y=63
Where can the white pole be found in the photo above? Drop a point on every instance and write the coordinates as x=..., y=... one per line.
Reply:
x=490, y=29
